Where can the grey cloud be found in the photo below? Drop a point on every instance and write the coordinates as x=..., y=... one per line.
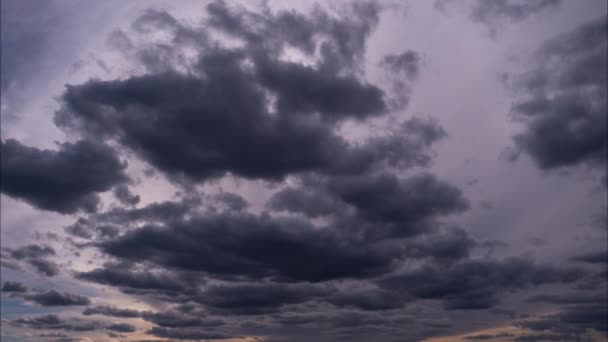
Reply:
x=188, y=333
x=43, y=266
x=175, y=319
x=14, y=287
x=130, y=278
x=223, y=124
x=56, y=298
x=301, y=200
x=32, y=251
x=54, y=322
x=567, y=128
x=124, y=195
x=35, y=256
x=232, y=201
x=121, y=327
x=245, y=245
x=593, y=257
x=404, y=204
x=369, y=299
x=246, y=298
x=487, y=337
x=66, y=180
x=111, y=311
x=494, y=14
x=571, y=319
x=476, y=284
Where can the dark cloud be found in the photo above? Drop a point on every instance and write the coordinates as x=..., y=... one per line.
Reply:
x=59, y=337
x=367, y=254
x=80, y=229
x=65, y=180
x=246, y=298
x=545, y=337
x=111, y=311
x=121, y=327
x=570, y=298
x=54, y=322
x=188, y=333
x=444, y=247
x=572, y=319
x=307, y=201
x=124, y=195
x=232, y=201
x=32, y=251
x=176, y=319
x=593, y=257
x=487, y=337
x=245, y=245
x=339, y=37
x=565, y=112
x=56, y=298
x=14, y=286
x=218, y=119
x=486, y=11
x=402, y=70
x=407, y=63
x=494, y=14
x=132, y=278
x=475, y=284
x=406, y=205
x=35, y=256
x=43, y=266
x=369, y=299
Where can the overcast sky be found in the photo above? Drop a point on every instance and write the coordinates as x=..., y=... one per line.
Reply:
x=304, y=171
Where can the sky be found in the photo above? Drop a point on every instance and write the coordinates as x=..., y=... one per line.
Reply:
x=304, y=171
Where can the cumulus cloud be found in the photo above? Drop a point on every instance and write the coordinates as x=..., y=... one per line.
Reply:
x=37, y=257
x=56, y=298
x=355, y=241
x=65, y=180
x=14, y=286
x=563, y=108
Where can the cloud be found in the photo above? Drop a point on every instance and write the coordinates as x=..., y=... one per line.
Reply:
x=487, y=337
x=405, y=205
x=475, y=284
x=243, y=298
x=246, y=111
x=124, y=195
x=218, y=245
x=564, y=107
x=121, y=327
x=301, y=200
x=54, y=322
x=111, y=311
x=232, y=201
x=32, y=251
x=56, y=298
x=593, y=257
x=130, y=278
x=571, y=320
x=175, y=319
x=36, y=256
x=188, y=333
x=14, y=287
x=66, y=180
x=495, y=14
x=369, y=299
x=44, y=267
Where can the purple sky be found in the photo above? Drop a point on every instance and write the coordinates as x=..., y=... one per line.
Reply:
x=304, y=171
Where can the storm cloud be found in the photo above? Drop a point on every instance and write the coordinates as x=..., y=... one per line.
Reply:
x=310, y=172
x=564, y=111
x=65, y=180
